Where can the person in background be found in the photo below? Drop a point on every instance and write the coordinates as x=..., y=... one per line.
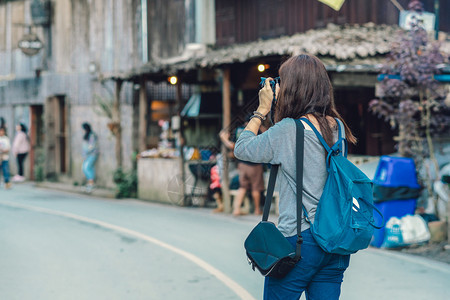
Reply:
x=20, y=149
x=90, y=155
x=5, y=146
x=3, y=124
x=250, y=178
x=215, y=188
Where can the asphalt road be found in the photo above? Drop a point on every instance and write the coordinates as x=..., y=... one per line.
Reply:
x=56, y=245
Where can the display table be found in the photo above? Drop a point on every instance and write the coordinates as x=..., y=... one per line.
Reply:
x=159, y=179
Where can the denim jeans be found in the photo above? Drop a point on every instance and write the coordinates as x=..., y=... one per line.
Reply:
x=20, y=160
x=318, y=273
x=89, y=167
x=5, y=170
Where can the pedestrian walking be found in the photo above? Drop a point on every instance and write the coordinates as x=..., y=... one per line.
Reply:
x=250, y=179
x=20, y=149
x=3, y=123
x=305, y=91
x=5, y=146
x=90, y=153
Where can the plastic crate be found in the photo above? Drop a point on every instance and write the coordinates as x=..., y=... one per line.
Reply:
x=389, y=209
x=396, y=172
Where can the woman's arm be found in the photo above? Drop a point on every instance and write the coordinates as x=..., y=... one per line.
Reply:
x=264, y=148
x=7, y=146
x=265, y=105
x=253, y=147
x=93, y=142
x=16, y=142
x=225, y=138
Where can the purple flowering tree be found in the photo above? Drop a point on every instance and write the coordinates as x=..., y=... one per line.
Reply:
x=411, y=100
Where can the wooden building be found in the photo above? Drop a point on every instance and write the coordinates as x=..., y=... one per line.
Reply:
x=123, y=52
x=57, y=89
x=352, y=43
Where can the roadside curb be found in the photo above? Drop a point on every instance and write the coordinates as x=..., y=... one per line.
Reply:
x=96, y=192
x=415, y=259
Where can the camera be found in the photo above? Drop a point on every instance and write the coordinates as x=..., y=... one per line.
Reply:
x=273, y=84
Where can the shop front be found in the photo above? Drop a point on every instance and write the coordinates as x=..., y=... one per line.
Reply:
x=182, y=146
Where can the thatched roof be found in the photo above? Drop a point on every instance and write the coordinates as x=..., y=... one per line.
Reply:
x=349, y=47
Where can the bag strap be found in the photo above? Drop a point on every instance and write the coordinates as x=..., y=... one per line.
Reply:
x=372, y=223
x=300, y=143
x=271, y=187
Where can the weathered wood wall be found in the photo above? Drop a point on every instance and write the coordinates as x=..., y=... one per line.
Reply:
x=167, y=34
x=12, y=60
x=244, y=21
x=105, y=32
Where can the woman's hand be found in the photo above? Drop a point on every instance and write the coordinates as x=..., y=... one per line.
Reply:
x=277, y=91
x=265, y=98
x=224, y=135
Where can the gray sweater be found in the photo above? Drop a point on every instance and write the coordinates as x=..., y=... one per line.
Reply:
x=277, y=146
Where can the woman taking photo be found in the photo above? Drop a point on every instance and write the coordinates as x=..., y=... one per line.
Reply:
x=305, y=91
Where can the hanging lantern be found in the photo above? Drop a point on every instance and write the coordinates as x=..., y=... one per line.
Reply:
x=40, y=12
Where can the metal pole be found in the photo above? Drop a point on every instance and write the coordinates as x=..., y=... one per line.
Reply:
x=436, y=12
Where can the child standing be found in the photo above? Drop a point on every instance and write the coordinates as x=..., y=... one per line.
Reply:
x=215, y=188
x=5, y=146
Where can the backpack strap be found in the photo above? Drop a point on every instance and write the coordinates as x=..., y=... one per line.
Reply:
x=342, y=137
x=339, y=147
x=319, y=136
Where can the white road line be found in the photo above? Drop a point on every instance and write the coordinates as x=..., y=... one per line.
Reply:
x=233, y=285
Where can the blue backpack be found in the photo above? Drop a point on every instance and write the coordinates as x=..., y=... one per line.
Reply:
x=343, y=223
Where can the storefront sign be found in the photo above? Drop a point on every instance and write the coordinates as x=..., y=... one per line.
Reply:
x=30, y=44
x=426, y=19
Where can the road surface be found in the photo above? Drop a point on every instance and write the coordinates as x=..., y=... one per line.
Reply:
x=57, y=245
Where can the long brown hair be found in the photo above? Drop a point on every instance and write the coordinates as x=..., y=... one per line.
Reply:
x=305, y=88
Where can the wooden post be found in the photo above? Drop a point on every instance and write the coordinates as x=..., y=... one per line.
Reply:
x=448, y=226
x=116, y=122
x=179, y=100
x=226, y=121
x=143, y=116
x=56, y=111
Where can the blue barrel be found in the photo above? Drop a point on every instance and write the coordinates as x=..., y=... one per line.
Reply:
x=396, y=172
x=395, y=191
x=389, y=209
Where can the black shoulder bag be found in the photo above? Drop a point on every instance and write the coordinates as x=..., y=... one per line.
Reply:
x=267, y=249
